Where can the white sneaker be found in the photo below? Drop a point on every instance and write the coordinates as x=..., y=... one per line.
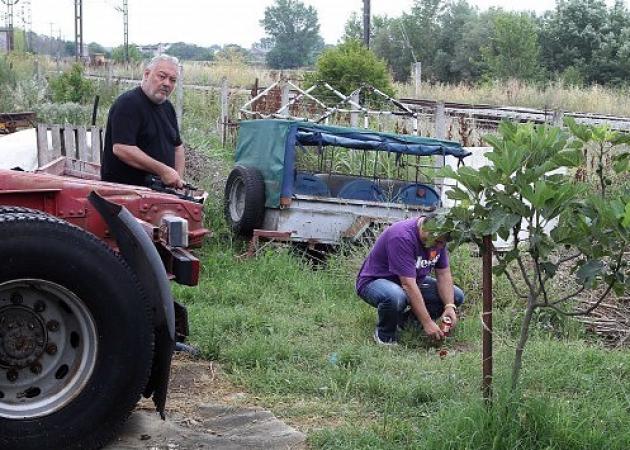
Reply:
x=378, y=340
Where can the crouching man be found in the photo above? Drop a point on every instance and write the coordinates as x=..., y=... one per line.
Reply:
x=394, y=278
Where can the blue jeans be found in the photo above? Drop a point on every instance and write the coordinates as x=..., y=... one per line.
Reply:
x=391, y=301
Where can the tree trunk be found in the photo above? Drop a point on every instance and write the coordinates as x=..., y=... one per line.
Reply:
x=518, y=356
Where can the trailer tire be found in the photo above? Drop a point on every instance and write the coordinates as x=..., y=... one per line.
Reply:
x=76, y=336
x=244, y=200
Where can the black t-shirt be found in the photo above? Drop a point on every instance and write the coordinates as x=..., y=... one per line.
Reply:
x=135, y=120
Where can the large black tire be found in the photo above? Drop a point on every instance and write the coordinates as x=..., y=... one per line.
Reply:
x=18, y=209
x=244, y=201
x=76, y=336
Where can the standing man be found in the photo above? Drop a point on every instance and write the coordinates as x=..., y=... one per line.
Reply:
x=142, y=137
x=394, y=276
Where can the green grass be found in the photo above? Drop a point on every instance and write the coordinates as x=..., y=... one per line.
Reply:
x=299, y=340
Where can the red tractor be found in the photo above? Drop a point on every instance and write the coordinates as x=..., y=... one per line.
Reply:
x=87, y=319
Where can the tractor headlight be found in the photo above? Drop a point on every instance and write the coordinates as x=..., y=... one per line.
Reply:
x=175, y=231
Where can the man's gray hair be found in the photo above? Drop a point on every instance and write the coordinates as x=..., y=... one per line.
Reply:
x=159, y=58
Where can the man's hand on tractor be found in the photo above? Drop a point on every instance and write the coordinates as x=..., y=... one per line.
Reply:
x=170, y=177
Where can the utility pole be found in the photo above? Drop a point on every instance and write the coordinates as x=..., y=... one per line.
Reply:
x=366, y=23
x=78, y=30
x=26, y=24
x=126, y=29
x=10, y=4
x=125, y=11
x=52, y=39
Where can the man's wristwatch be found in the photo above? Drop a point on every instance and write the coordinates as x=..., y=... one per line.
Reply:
x=451, y=305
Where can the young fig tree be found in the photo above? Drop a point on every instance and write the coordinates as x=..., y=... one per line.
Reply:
x=529, y=197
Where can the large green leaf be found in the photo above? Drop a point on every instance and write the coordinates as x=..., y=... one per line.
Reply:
x=512, y=203
x=589, y=271
x=470, y=178
x=456, y=193
x=582, y=132
x=569, y=158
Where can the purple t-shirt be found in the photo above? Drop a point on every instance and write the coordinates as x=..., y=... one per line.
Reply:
x=399, y=252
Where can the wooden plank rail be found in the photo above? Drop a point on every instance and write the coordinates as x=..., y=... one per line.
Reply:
x=54, y=141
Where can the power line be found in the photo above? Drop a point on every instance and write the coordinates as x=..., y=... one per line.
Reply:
x=404, y=34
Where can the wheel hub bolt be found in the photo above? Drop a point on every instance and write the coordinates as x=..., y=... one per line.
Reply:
x=40, y=306
x=52, y=325
x=12, y=375
x=16, y=298
x=36, y=368
x=51, y=349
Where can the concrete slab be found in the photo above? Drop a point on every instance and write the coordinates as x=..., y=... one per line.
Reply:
x=218, y=427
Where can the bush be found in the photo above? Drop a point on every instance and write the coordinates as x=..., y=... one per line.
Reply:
x=72, y=87
x=348, y=66
x=64, y=113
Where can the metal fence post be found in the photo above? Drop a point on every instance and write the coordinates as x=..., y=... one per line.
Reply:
x=486, y=355
x=558, y=118
x=224, y=110
x=417, y=76
x=110, y=70
x=440, y=120
x=285, y=90
x=354, y=116
x=440, y=133
x=179, y=105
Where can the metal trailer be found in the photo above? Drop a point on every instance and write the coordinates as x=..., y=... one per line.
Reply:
x=270, y=194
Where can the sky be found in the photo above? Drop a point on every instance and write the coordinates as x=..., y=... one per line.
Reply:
x=205, y=22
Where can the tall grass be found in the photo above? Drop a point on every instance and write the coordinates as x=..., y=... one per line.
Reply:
x=593, y=99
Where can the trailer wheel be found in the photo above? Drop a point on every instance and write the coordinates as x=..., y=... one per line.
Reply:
x=244, y=201
x=76, y=336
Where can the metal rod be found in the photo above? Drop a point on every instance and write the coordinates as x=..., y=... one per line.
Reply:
x=486, y=354
x=262, y=94
x=95, y=109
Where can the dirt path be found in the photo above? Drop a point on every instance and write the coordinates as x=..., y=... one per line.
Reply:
x=205, y=411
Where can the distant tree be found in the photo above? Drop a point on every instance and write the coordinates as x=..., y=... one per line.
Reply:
x=462, y=34
x=295, y=30
x=348, y=66
x=572, y=34
x=94, y=48
x=233, y=53
x=611, y=61
x=353, y=29
x=389, y=43
x=410, y=38
x=513, y=50
x=190, y=52
x=69, y=48
x=264, y=44
x=135, y=55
